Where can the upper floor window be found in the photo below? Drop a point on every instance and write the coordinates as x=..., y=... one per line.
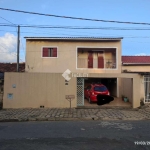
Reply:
x=49, y=52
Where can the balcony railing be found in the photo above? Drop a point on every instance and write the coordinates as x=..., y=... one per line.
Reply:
x=95, y=63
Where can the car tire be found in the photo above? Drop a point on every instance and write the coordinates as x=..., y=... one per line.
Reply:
x=90, y=100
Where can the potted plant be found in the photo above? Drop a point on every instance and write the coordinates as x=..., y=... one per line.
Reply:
x=124, y=98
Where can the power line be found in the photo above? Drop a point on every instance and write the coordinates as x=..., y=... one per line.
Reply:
x=74, y=27
x=102, y=28
x=87, y=34
x=18, y=43
x=7, y=20
x=127, y=36
x=8, y=25
x=75, y=18
x=69, y=27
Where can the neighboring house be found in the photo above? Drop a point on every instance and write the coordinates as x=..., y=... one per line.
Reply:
x=60, y=66
x=8, y=67
x=11, y=67
x=140, y=65
x=136, y=64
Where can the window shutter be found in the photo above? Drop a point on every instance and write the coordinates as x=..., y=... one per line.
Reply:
x=45, y=52
x=54, y=52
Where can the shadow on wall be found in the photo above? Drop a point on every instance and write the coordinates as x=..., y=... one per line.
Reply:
x=127, y=89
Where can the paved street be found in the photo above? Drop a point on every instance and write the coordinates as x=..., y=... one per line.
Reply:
x=56, y=114
x=73, y=135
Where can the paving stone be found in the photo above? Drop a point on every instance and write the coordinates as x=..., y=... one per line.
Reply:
x=51, y=119
x=31, y=119
x=95, y=118
x=41, y=119
x=105, y=118
x=52, y=114
x=86, y=118
x=23, y=119
x=75, y=117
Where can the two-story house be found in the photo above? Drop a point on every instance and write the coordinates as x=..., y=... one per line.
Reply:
x=60, y=66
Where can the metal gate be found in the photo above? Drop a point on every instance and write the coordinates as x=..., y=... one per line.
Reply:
x=80, y=92
x=147, y=88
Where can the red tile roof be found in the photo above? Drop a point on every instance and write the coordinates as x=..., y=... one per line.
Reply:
x=11, y=67
x=136, y=59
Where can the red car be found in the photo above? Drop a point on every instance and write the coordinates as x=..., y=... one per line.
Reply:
x=91, y=92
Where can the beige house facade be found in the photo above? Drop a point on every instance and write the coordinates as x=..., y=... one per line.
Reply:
x=140, y=65
x=81, y=60
x=72, y=53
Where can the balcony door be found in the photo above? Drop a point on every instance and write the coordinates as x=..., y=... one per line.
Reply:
x=100, y=60
x=90, y=60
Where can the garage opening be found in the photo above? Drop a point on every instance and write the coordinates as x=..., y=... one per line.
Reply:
x=115, y=87
x=110, y=83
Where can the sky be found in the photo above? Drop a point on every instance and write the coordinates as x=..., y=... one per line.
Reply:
x=135, y=42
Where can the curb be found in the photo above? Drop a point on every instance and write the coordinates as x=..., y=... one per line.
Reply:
x=71, y=119
x=9, y=120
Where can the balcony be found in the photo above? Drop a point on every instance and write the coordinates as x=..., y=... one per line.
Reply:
x=96, y=58
x=96, y=63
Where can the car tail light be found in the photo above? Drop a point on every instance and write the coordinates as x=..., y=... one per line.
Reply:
x=108, y=93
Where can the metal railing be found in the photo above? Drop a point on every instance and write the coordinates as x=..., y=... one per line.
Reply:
x=101, y=64
x=147, y=88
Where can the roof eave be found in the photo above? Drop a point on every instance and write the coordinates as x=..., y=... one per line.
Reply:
x=136, y=63
x=73, y=39
x=138, y=72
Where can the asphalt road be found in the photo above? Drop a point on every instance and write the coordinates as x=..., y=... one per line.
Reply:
x=73, y=135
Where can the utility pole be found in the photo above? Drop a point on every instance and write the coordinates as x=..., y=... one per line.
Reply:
x=18, y=48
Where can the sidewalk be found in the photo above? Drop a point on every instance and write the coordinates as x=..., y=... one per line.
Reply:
x=56, y=114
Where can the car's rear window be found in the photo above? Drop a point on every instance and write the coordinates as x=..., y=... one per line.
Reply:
x=100, y=88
